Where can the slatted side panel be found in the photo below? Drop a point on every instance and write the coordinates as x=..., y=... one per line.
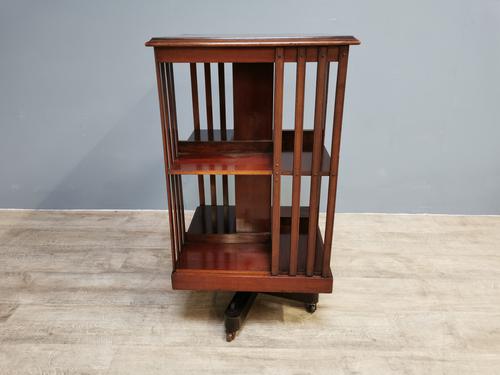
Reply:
x=277, y=141
x=177, y=183
x=161, y=76
x=335, y=152
x=209, y=87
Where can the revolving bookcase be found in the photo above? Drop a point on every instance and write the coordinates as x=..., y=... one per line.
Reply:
x=254, y=243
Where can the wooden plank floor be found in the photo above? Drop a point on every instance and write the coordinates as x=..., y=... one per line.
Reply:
x=88, y=292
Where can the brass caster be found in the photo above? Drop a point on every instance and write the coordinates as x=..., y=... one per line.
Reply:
x=311, y=307
x=230, y=336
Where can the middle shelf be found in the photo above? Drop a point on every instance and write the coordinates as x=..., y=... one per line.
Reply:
x=208, y=153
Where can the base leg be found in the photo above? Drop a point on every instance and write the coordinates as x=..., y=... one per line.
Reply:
x=310, y=300
x=236, y=312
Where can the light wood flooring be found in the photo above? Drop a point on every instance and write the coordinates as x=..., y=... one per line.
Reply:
x=88, y=292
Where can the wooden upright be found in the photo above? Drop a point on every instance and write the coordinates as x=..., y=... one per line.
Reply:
x=254, y=244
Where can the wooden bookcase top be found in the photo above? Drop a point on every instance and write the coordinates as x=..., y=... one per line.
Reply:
x=251, y=41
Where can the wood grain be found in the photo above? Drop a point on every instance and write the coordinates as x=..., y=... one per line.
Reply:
x=335, y=151
x=319, y=126
x=297, y=158
x=237, y=164
x=236, y=54
x=251, y=41
x=223, y=128
x=279, y=67
x=167, y=152
x=253, y=117
x=210, y=126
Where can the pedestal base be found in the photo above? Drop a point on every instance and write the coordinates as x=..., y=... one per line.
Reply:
x=240, y=305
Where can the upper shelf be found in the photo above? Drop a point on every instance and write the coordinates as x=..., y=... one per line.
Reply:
x=210, y=154
x=245, y=164
x=251, y=41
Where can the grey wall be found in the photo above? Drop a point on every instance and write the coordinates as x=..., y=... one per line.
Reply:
x=79, y=124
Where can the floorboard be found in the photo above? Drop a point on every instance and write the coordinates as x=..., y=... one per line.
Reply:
x=88, y=292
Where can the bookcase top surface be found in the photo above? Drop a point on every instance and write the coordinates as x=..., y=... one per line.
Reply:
x=251, y=41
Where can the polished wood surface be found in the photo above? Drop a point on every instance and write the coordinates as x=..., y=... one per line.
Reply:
x=241, y=282
x=251, y=41
x=334, y=162
x=279, y=68
x=255, y=244
x=253, y=122
x=241, y=163
x=200, y=146
x=253, y=199
x=223, y=127
x=319, y=128
x=298, y=148
x=217, y=224
x=224, y=257
x=212, y=245
x=201, y=136
x=237, y=54
x=210, y=126
x=244, y=164
x=160, y=75
x=301, y=254
x=253, y=101
x=196, y=123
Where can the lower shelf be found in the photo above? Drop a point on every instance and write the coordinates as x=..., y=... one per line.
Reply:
x=225, y=256
x=216, y=257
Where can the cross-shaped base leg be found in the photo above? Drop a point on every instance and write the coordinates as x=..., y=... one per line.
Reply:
x=240, y=304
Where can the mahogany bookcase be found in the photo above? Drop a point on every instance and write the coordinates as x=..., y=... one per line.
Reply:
x=256, y=244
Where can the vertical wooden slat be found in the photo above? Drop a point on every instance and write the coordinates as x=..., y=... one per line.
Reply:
x=326, y=102
x=196, y=121
x=278, y=119
x=223, y=129
x=335, y=152
x=172, y=107
x=166, y=153
x=210, y=126
x=177, y=188
x=194, y=96
x=181, y=207
x=222, y=100
x=297, y=158
x=222, y=109
x=176, y=215
x=319, y=112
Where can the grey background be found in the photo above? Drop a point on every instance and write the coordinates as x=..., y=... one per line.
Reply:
x=79, y=123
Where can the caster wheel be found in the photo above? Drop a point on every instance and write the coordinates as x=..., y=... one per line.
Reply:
x=311, y=307
x=230, y=336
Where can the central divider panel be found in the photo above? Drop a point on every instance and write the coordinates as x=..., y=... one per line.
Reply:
x=253, y=118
